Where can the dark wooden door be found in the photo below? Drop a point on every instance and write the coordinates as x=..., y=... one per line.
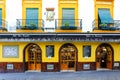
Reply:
x=68, y=58
x=34, y=58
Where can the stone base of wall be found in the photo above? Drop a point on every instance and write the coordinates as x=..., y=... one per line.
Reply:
x=116, y=65
x=11, y=67
x=50, y=67
x=83, y=66
x=7, y=67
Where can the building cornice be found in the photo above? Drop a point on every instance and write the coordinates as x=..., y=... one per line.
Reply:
x=59, y=37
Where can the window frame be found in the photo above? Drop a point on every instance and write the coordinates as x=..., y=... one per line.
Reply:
x=51, y=53
x=86, y=53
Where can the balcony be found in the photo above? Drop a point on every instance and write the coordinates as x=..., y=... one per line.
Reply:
x=2, y=1
x=68, y=1
x=32, y=1
x=30, y=25
x=106, y=27
x=3, y=25
x=68, y=25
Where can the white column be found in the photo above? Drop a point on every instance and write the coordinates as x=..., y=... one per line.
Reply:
x=116, y=9
x=86, y=13
x=49, y=4
x=13, y=12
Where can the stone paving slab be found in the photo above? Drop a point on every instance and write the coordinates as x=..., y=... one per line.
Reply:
x=82, y=75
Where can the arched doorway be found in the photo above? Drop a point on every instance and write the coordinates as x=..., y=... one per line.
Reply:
x=68, y=57
x=33, y=57
x=104, y=56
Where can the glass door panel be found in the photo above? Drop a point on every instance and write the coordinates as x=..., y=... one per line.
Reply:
x=68, y=58
x=34, y=58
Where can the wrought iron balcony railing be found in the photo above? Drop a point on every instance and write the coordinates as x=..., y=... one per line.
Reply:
x=68, y=1
x=30, y=24
x=117, y=24
x=3, y=24
x=106, y=26
x=68, y=24
x=31, y=0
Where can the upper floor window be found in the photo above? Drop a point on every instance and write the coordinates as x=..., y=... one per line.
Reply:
x=68, y=17
x=32, y=16
x=0, y=17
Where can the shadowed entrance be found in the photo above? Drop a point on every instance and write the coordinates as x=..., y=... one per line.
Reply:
x=68, y=57
x=33, y=57
x=104, y=56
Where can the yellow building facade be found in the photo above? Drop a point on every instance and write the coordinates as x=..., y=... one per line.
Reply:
x=2, y=9
x=62, y=50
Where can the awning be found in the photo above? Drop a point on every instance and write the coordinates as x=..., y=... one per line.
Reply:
x=105, y=16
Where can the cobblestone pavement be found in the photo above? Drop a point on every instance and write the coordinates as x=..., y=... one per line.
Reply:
x=82, y=75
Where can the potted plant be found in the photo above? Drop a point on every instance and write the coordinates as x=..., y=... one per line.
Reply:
x=32, y=26
x=65, y=26
x=103, y=26
x=3, y=29
x=24, y=27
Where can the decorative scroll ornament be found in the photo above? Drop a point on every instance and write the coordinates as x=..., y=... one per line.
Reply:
x=50, y=14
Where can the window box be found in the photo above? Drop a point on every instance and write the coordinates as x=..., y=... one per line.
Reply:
x=3, y=29
x=106, y=27
x=32, y=26
x=26, y=31
x=28, y=27
x=68, y=27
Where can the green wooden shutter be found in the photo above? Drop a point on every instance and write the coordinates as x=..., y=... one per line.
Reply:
x=68, y=16
x=32, y=16
x=105, y=16
x=0, y=17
